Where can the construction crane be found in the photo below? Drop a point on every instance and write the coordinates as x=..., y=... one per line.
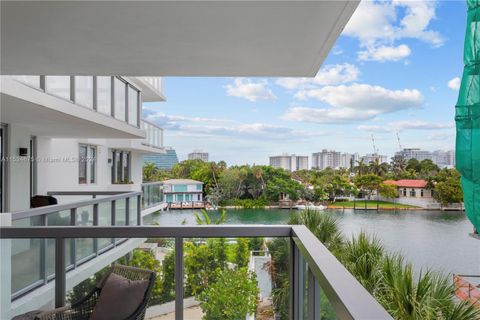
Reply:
x=399, y=144
x=375, y=150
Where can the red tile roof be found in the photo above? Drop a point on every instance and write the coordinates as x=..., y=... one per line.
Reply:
x=408, y=183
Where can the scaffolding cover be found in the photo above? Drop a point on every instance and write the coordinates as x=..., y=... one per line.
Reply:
x=467, y=117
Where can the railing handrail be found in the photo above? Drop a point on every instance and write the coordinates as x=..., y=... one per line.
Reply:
x=149, y=183
x=152, y=231
x=347, y=296
x=85, y=193
x=68, y=206
x=352, y=302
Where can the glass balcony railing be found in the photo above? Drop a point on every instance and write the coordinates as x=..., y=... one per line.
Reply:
x=152, y=194
x=154, y=135
x=32, y=260
x=316, y=278
x=155, y=82
x=111, y=96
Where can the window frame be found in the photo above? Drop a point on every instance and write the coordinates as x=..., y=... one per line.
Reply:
x=89, y=177
x=121, y=154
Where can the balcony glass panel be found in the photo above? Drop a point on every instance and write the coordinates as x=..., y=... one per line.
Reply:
x=62, y=218
x=32, y=81
x=58, y=86
x=26, y=257
x=84, y=247
x=132, y=106
x=104, y=95
x=132, y=212
x=84, y=91
x=120, y=212
x=105, y=219
x=120, y=97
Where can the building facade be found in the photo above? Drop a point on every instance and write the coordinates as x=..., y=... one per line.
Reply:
x=164, y=161
x=373, y=157
x=182, y=190
x=198, y=155
x=289, y=162
x=348, y=160
x=326, y=159
x=444, y=159
x=70, y=137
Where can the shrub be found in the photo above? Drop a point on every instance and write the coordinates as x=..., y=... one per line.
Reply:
x=233, y=296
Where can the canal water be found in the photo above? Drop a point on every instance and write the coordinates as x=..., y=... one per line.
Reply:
x=429, y=239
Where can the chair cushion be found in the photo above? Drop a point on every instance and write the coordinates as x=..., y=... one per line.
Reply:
x=119, y=298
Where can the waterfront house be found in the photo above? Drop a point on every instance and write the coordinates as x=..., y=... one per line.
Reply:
x=182, y=190
x=415, y=192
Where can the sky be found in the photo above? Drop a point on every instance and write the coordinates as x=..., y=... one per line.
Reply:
x=395, y=68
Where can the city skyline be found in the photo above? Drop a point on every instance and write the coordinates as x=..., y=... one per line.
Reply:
x=376, y=80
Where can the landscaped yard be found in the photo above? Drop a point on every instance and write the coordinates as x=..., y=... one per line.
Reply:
x=371, y=204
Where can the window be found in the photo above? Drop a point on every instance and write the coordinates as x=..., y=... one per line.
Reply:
x=104, y=95
x=412, y=193
x=58, y=85
x=404, y=192
x=132, y=106
x=121, y=166
x=120, y=97
x=87, y=164
x=84, y=91
x=421, y=193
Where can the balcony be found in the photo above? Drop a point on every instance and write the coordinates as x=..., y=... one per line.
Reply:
x=73, y=106
x=314, y=271
x=151, y=144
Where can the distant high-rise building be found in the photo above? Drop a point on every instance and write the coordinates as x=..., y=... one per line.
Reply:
x=325, y=159
x=439, y=157
x=289, y=162
x=348, y=160
x=163, y=161
x=372, y=157
x=198, y=155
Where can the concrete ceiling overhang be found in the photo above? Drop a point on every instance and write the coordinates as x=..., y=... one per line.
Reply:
x=170, y=38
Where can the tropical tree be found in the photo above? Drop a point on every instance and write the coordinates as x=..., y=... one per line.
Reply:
x=388, y=191
x=361, y=167
x=447, y=186
x=368, y=183
x=206, y=219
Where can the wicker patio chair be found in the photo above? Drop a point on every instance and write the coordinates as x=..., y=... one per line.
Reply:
x=81, y=310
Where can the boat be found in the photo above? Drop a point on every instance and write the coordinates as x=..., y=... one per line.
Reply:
x=310, y=206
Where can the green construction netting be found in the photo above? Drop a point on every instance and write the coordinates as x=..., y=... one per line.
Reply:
x=467, y=117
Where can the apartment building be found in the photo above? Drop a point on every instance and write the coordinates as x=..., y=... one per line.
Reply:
x=372, y=157
x=198, y=155
x=348, y=160
x=71, y=138
x=289, y=162
x=164, y=161
x=326, y=159
x=439, y=157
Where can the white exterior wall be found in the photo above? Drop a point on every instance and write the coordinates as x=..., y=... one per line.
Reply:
x=63, y=175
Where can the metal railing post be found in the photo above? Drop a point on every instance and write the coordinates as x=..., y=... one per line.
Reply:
x=139, y=211
x=292, y=278
x=60, y=273
x=178, y=278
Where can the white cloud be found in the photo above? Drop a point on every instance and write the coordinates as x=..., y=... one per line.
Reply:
x=326, y=115
x=375, y=23
x=397, y=126
x=385, y=53
x=212, y=127
x=366, y=97
x=454, y=84
x=328, y=75
x=250, y=90
x=356, y=102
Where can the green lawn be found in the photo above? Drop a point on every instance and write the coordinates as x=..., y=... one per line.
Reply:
x=371, y=204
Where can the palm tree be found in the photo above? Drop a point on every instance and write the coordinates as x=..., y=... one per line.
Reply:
x=205, y=219
x=361, y=167
x=324, y=226
x=150, y=172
